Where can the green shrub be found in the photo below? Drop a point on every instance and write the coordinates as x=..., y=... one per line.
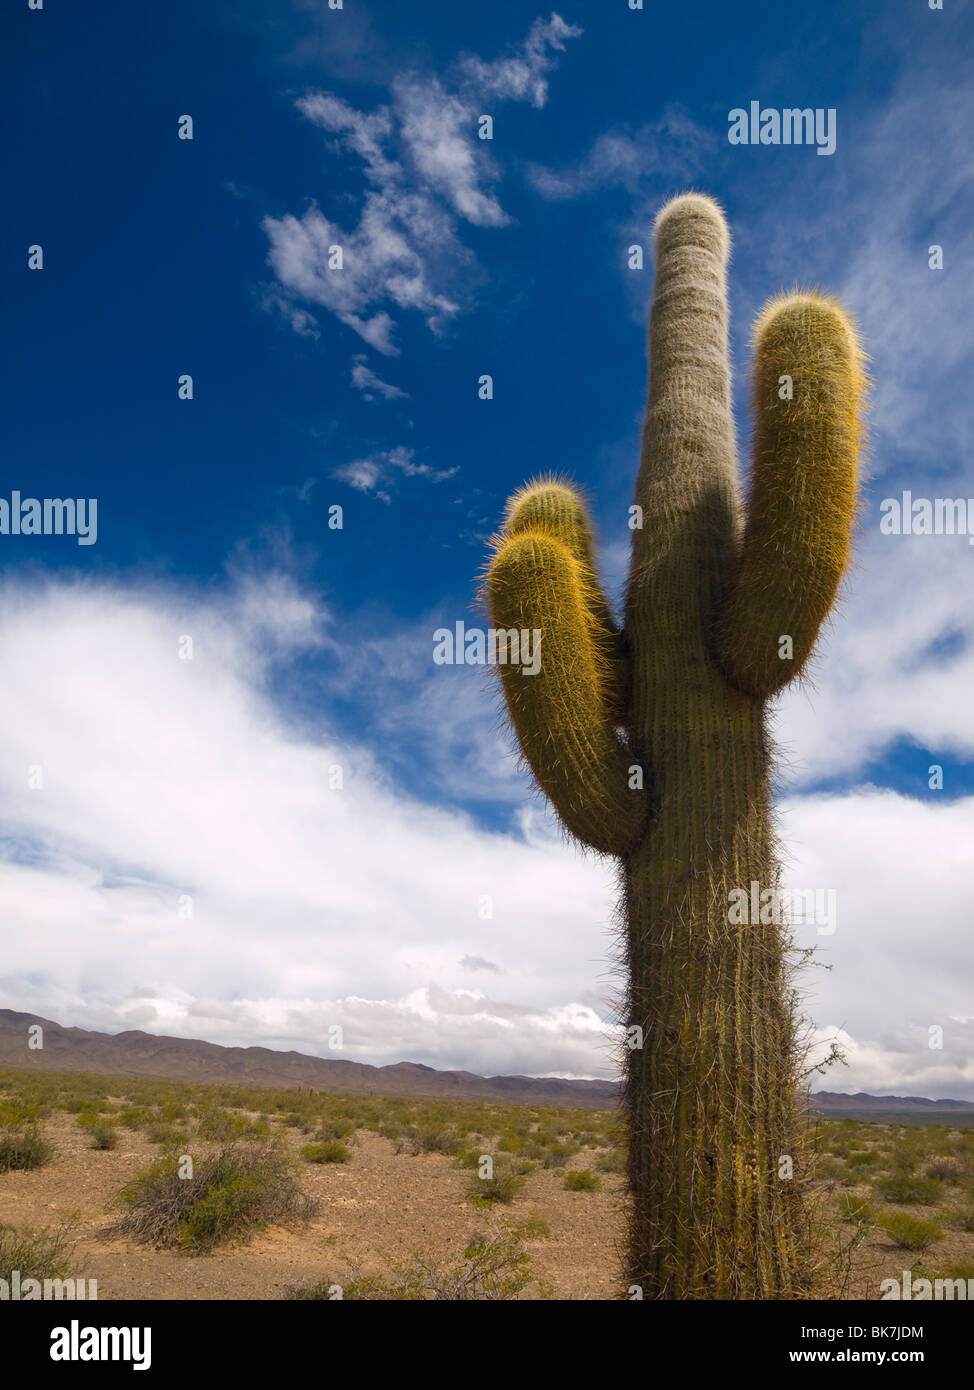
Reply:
x=503, y=1185
x=167, y=1135
x=491, y=1267
x=558, y=1155
x=435, y=1139
x=47, y=1253
x=828, y=1167
x=24, y=1148
x=582, y=1181
x=228, y=1196
x=614, y=1161
x=855, y=1210
x=336, y=1129
x=220, y=1125
x=944, y=1168
x=906, y=1188
x=331, y=1151
x=103, y=1136
x=909, y=1232
x=961, y=1218
x=863, y=1158
x=16, y=1113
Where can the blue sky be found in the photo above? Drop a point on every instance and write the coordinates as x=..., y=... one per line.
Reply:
x=167, y=779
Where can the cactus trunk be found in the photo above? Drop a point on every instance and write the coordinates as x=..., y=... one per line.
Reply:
x=652, y=744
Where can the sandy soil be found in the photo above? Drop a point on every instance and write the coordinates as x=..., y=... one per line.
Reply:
x=380, y=1202
x=379, y=1207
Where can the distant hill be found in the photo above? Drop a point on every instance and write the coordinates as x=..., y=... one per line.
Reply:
x=906, y=1109
x=137, y=1054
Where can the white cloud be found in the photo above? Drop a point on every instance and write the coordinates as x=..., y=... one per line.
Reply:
x=165, y=777
x=437, y=130
x=880, y=679
x=900, y=959
x=372, y=385
x=426, y=173
x=366, y=475
x=522, y=74
x=620, y=158
x=363, y=906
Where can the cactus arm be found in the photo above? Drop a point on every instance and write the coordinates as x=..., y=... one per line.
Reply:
x=554, y=507
x=536, y=583
x=797, y=539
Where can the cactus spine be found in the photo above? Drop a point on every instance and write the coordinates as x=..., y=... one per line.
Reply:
x=651, y=743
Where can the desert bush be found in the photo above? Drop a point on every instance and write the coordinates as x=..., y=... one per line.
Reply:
x=166, y=1135
x=103, y=1135
x=435, y=1139
x=133, y=1117
x=503, y=1185
x=613, y=1161
x=909, y=1232
x=15, y=1113
x=944, y=1168
x=331, y=1151
x=855, y=1210
x=492, y=1267
x=960, y=1218
x=557, y=1155
x=24, y=1148
x=582, y=1181
x=907, y=1188
x=220, y=1126
x=829, y=1168
x=336, y=1129
x=47, y=1253
x=862, y=1158
x=231, y=1194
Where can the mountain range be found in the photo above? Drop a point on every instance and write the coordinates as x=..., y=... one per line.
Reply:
x=137, y=1054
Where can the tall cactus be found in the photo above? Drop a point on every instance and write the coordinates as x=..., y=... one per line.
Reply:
x=652, y=744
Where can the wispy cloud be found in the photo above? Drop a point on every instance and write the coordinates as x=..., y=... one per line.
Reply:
x=376, y=474
x=521, y=75
x=371, y=385
x=624, y=158
x=426, y=173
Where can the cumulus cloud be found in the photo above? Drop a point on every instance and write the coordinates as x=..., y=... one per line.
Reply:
x=168, y=782
x=900, y=962
x=426, y=174
x=321, y=891
x=886, y=673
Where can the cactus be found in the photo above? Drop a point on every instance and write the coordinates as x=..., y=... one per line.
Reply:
x=651, y=742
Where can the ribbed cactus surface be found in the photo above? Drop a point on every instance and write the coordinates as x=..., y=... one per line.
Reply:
x=651, y=743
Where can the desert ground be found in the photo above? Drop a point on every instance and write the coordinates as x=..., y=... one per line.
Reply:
x=398, y=1204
